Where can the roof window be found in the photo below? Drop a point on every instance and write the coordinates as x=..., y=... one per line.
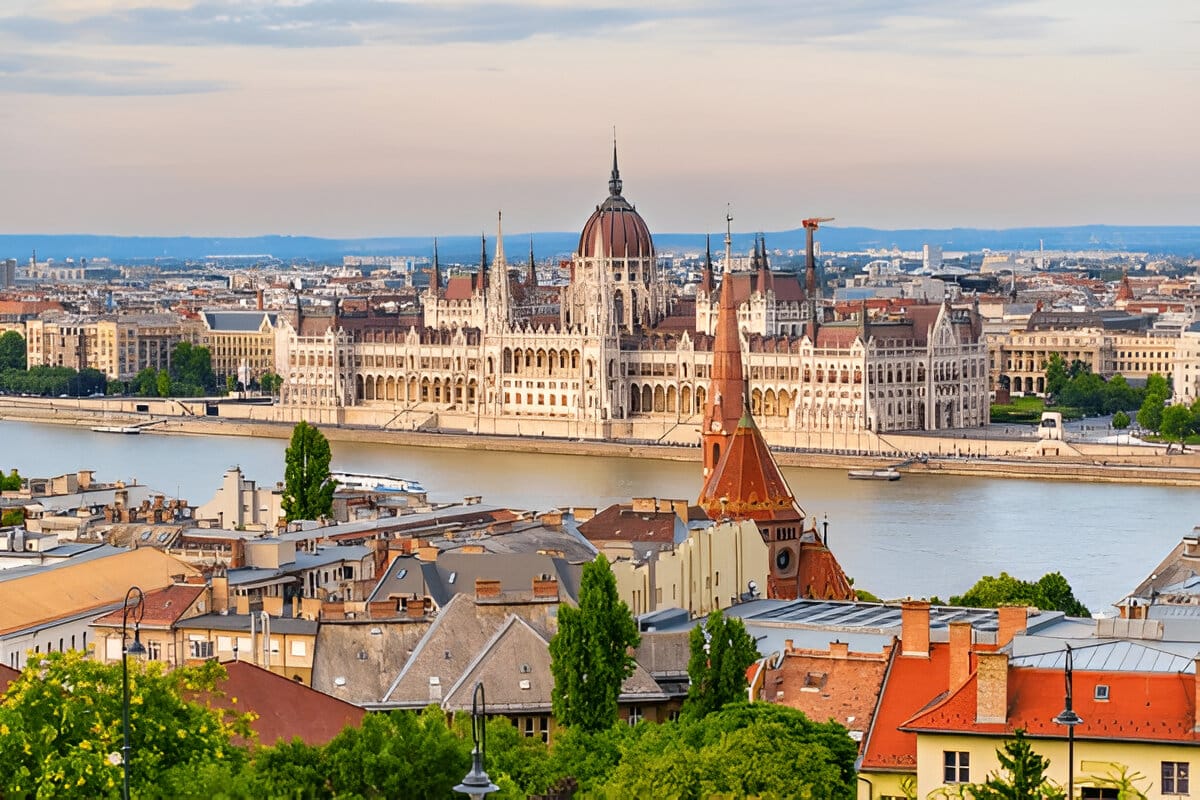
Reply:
x=1101, y=691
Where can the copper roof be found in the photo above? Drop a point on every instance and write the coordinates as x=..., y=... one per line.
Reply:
x=615, y=229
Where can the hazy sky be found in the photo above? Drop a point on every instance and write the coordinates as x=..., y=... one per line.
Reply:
x=390, y=117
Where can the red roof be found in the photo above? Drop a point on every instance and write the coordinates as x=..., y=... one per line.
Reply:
x=747, y=483
x=459, y=287
x=285, y=709
x=911, y=684
x=843, y=688
x=162, y=608
x=7, y=676
x=1141, y=706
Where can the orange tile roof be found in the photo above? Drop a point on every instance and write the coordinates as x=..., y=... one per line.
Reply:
x=460, y=287
x=285, y=709
x=1157, y=707
x=747, y=483
x=161, y=607
x=819, y=575
x=844, y=689
x=911, y=684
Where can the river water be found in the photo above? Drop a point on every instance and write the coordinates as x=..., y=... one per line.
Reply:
x=919, y=536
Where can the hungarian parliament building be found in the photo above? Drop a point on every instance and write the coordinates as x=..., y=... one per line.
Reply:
x=616, y=354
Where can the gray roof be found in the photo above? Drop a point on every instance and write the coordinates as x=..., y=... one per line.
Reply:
x=456, y=572
x=1119, y=656
x=329, y=555
x=244, y=321
x=357, y=660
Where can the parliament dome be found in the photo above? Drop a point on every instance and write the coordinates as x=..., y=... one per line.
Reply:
x=615, y=229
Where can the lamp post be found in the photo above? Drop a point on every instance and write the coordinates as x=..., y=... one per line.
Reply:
x=477, y=784
x=128, y=649
x=1069, y=718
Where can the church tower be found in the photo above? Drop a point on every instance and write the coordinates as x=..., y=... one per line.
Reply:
x=498, y=290
x=742, y=480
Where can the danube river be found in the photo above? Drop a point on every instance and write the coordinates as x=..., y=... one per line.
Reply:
x=920, y=536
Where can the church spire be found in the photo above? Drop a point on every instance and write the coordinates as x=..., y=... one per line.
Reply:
x=614, y=181
x=706, y=275
x=481, y=276
x=723, y=406
x=531, y=280
x=498, y=261
x=435, y=279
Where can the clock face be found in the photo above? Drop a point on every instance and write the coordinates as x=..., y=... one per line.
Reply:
x=716, y=425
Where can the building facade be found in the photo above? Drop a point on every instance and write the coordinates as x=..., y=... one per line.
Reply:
x=619, y=359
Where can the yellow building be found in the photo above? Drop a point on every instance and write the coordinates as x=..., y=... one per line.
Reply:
x=1137, y=726
x=241, y=343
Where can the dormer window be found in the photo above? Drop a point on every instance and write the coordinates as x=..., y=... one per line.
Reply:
x=1101, y=693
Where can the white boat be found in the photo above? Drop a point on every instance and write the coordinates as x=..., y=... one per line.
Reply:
x=127, y=429
x=362, y=482
x=883, y=474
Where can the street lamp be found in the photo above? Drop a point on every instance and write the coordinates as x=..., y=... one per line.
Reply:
x=477, y=784
x=134, y=648
x=1069, y=718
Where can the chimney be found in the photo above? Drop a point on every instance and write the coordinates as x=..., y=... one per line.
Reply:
x=1196, y=691
x=839, y=649
x=242, y=603
x=960, y=653
x=545, y=588
x=415, y=607
x=486, y=588
x=427, y=553
x=1012, y=620
x=644, y=505
x=991, y=690
x=914, y=628
x=787, y=645
x=258, y=300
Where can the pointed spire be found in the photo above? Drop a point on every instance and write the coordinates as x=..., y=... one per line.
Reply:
x=723, y=406
x=481, y=276
x=614, y=181
x=706, y=275
x=532, y=279
x=498, y=260
x=435, y=279
x=764, y=269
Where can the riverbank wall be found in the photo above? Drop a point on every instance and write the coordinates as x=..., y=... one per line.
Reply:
x=990, y=455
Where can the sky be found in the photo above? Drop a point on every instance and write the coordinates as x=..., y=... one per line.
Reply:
x=349, y=118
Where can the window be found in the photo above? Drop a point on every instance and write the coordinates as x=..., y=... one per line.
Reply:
x=635, y=715
x=1098, y=793
x=298, y=648
x=1175, y=777
x=153, y=650
x=957, y=766
x=200, y=649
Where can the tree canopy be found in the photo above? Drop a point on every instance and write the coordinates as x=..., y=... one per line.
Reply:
x=721, y=651
x=191, y=371
x=12, y=351
x=308, y=489
x=1022, y=775
x=1050, y=593
x=590, y=656
x=1074, y=385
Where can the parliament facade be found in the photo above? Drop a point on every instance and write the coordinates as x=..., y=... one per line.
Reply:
x=616, y=355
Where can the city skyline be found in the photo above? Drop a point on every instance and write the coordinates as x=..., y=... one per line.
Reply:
x=166, y=117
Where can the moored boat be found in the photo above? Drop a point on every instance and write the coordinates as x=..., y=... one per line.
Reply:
x=362, y=482
x=882, y=474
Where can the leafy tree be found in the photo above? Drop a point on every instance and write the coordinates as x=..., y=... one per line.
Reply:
x=11, y=482
x=721, y=651
x=1120, y=420
x=270, y=383
x=1050, y=593
x=1056, y=375
x=61, y=733
x=145, y=383
x=1158, y=385
x=745, y=750
x=1119, y=395
x=12, y=516
x=191, y=369
x=308, y=489
x=590, y=655
x=231, y=383
x=162, y=384
x=1176, y=422
x=12, y=351
x=1150, y=415
x=1025, y=777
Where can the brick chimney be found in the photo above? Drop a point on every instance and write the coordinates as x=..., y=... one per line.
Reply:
x=486, y=589
x=960, y=653
x=914, y=628
x=839, y=649
x=1012, y=620
x=991, y=690
x=545, y=588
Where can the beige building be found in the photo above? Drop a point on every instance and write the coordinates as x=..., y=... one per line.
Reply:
x=241, y=343
x=712, y=569
x=118, y=346
x=241, y=504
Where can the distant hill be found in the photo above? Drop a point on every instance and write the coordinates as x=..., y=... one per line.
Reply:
x=1167, y=240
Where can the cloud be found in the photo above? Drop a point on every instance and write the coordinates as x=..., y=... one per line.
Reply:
x=70, y=75
x=341, y=23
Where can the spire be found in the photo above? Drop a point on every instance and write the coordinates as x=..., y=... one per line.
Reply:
x=706, y=275
x=481, y=276
x=498, y=260
x=614, y=181
x=435, y=279
x=532, y=279
x=723, y=406
x=764, y=269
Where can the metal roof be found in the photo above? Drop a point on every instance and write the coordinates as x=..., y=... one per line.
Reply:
x=1119, y=656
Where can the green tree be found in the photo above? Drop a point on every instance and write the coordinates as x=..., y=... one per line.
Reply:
x=590, y=655
x=1024, y=778
x=1150, y=415
x=1176, y=422
x=231, y=384
x=12, y=516
x=11, y=482
x=145, y=383
x=308, y=489
x=745, y=750
x=60, y=727
x=191, y=369
x=721, y=651
x=1051, y=592
x=1120, y=420
x=270, y=383
x=12, y=351
x=162, y=384
x=1056, y=375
